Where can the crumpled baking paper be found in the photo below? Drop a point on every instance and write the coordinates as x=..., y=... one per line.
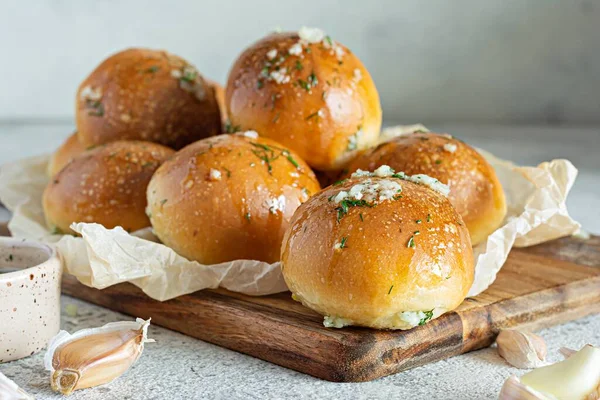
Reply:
x=103, y=257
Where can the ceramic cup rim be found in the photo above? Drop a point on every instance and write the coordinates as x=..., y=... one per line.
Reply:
x=50, y=252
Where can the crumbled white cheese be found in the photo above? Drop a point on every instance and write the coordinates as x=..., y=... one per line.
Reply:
x=175, y=73
x=335, y=322
x=311, y=35
x=384, y=171
x=431, y=182
x=357, y=75
x=360, y=173
x=280, y=76
x=413, y=318
x=354, y=139
x=422, y=179
x=450, y=147
x=249, y=134
x=370, y=191
x=89, y=93
x=296, y=49
x=276, y=204
x=338, y=246
x=339, y=51
x=271, y=54
x=214, y=174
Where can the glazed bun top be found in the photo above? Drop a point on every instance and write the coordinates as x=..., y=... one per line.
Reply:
x=475, y=190
x=70, y=148
x=106, y=185
x=229, y=197
x=142, y=94
x=307, y=92
x=379, y=251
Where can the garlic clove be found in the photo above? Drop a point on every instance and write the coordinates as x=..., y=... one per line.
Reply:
x=9, y=390
x=522, y=349
x=577, y=377
x=513, y=389
x=96, y=356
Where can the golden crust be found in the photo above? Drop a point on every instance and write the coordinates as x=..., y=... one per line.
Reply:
x=377, y=275
x=70, y=149
x=218, y=200
x=141, y=94
x=475, y=190
x=319, y=112
x=106, y=185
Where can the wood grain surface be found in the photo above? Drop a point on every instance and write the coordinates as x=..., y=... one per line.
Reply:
x=538, y=287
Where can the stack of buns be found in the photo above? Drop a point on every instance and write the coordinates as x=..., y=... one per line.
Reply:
x=388, y=246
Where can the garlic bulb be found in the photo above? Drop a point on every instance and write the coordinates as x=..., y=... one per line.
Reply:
x=575, y=378
x=96, y=356
x=11, y=391
x=522, y=349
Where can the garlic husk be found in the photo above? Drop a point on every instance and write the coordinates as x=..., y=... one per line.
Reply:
x=513, y=389
x=575, y=378
x=9, y=390
x=522, y=349
x=92, y=357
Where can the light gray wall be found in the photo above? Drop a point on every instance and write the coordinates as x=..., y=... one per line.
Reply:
x=533, y=61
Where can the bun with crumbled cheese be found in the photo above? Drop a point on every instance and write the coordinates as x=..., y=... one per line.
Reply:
x=143, y=94
x=382, y=250
x=106, y=185
x=70, y=148
x=475, y=190
x=228, y=197
x=307, y=92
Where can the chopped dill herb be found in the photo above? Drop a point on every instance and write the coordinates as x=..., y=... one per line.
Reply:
x=411, y=242
x=361, y=217
x=337, y=183
x=390, y=291
x=417, y=232
x=418, y=221
x=311, y=116
x=342, y=209
x=428, y=217
x=438, y=161
x=229, y=128
x=276, y=118
x=328, y=40
x=228, y=172
x=152, y=69
x=426, y=318
x=299, y=66
x=343, y=242
x=247, y=216
x=260, y=84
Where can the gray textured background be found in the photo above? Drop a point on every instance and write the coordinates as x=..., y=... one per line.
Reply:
x=501, y=61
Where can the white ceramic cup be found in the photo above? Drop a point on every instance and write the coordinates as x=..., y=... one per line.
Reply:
x=30, y=277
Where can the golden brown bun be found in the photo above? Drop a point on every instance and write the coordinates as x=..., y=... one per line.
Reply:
x=106, y=185
x=409, y=254
x=327, y=110
x=217, y=200
x=220, y=96
x=141, y=94
x=71, y=148
x=475, y=191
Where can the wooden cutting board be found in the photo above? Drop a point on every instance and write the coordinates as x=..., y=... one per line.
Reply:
x=538, y=287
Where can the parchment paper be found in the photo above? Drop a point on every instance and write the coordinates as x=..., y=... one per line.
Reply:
x=103, y=257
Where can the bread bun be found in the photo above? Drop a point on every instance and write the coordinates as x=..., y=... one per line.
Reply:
x=70, y=148
x=228, y=197
x=106, y=185
x=141, y=94
x=475, y=191
x=364, y=253
x=220, y=96
x=307, y=92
